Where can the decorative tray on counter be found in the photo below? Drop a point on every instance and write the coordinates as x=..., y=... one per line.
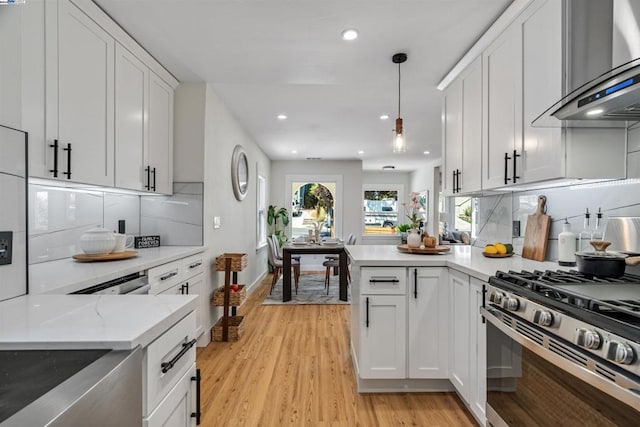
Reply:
x=497, y=255
x=440, y=249
x=105, y=257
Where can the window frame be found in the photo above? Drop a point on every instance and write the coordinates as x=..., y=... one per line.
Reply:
x=383, y=187
x=261, y=211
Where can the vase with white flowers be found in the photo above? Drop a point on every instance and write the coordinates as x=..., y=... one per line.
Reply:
x=412, y=212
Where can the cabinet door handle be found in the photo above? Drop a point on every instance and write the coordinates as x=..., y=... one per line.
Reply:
x=415, y=283
x=506, y=167
x=515, y=156
x=185, y=289
x=366, y=322
x=196, y=264
x=153, y=172
x=148, y=171
x=166, y=366
x=454, y=181
x=55, y=158
x=458, y=173
x=169, y=276
x=68, y=150
x=390, y=280
x=198, y=412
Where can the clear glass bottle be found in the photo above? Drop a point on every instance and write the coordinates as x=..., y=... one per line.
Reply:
x=597, y=233
x=585, y=234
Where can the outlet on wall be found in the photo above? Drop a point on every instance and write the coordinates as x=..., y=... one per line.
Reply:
x=515, y=229
x=6, y=247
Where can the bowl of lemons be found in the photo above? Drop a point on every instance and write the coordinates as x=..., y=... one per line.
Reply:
x=498, y=250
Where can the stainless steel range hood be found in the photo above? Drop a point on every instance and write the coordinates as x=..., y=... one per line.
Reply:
x=611, y=100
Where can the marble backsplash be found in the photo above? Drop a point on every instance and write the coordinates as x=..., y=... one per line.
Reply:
x=58, y=216
x=496, y=213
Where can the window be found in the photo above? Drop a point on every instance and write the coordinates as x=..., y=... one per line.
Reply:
x=380, y=208
x=262, y=211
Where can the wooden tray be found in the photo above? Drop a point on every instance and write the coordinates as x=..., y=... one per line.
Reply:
x=105, y=257
x=425, y=251
x=497, y=255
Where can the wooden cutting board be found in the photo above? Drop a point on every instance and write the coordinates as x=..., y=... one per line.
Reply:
x=537, y=233
x=105, y=257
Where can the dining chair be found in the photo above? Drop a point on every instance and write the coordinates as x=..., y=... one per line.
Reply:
x=276, y=244
x=333, y=261
x=278, y=265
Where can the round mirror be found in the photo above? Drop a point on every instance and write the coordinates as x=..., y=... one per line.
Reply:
x=239, y=172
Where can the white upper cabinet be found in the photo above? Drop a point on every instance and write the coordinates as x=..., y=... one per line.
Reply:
x=462, y=108
x=109, y=104
x=132, y=97
x=503, y=110
x=79, y=86
x=160, y=146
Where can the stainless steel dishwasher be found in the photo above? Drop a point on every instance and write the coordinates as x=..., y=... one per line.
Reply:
x=70, y=388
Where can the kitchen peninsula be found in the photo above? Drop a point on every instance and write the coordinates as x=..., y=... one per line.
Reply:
x=415, y=319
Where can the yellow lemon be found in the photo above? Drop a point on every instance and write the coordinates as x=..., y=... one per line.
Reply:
x=502, y=249
x=490, y=249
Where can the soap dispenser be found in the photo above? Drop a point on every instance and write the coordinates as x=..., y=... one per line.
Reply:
x=566, y=246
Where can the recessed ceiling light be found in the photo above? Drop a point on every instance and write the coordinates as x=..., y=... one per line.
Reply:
x=426, y=152
x=360, y=152
x=294, y=152
x=349, y=34
x=388, y=168
x=595, y=112
x=384, y=117
x=282, y=117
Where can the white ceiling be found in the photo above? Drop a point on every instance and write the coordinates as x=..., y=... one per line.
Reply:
x=266, y=57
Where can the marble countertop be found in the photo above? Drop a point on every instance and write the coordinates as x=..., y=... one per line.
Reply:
x=119, y=322
x=466, y=259
x=67, y=275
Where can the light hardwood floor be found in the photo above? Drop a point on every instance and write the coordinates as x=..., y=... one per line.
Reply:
x=293, y=367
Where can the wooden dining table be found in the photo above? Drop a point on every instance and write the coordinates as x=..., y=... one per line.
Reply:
x=310, y=249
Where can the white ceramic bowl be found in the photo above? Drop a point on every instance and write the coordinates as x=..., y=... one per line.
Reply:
x=97, y=241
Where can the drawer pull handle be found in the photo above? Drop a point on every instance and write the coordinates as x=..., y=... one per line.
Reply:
x=196, y=264
x=367, y=319
x=198, y=412
x=394, y=280
x=170, y=364
x=169, y=276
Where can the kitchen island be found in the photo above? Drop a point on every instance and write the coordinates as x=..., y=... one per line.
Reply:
x=415, y=319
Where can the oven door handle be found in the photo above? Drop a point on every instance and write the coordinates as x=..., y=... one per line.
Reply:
x=626, y=390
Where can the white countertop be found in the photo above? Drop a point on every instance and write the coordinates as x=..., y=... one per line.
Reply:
x=68, y=275
x=118, y=322
x=464, y=258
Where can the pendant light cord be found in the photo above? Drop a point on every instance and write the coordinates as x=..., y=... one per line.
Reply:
x=399, y=77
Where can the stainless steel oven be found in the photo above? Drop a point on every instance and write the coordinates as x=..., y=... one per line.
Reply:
x=558, y=356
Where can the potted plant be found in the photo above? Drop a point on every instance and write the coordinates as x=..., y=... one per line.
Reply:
x=403, y=229
x=412, y=211
x=277, y=219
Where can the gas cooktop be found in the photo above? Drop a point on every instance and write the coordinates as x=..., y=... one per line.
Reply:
x=613, y=304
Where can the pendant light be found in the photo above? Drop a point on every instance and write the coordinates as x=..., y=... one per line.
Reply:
x=399, y=137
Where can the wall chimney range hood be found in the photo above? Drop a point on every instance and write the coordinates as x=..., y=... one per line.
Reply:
x=611, y=100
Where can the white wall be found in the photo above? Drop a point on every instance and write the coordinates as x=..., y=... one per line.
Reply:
x=351, y=172
x=205, y=135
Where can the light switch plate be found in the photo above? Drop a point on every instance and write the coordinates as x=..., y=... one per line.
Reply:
x=6, y=247
x=515, y=230
x=216, y=222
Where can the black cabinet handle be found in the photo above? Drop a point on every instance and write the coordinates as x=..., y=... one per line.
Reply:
x=515, y=156
x=166, y=366
x=68, y=150
x=366, y=322
x=153, y=171
x=198, y=380
x=415, y=283
x=384, y=281
x=506, y=167
x=454, y=181
x=196, y=264
x=169, y=276
x=458, y=172
x=184, y=289
x=55, y=158
x=148, y=171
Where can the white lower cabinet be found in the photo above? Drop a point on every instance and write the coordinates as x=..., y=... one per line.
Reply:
x=467, y=342
x=179, y=408
x=168, y=369
x=383, y=338
x=428, y=321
